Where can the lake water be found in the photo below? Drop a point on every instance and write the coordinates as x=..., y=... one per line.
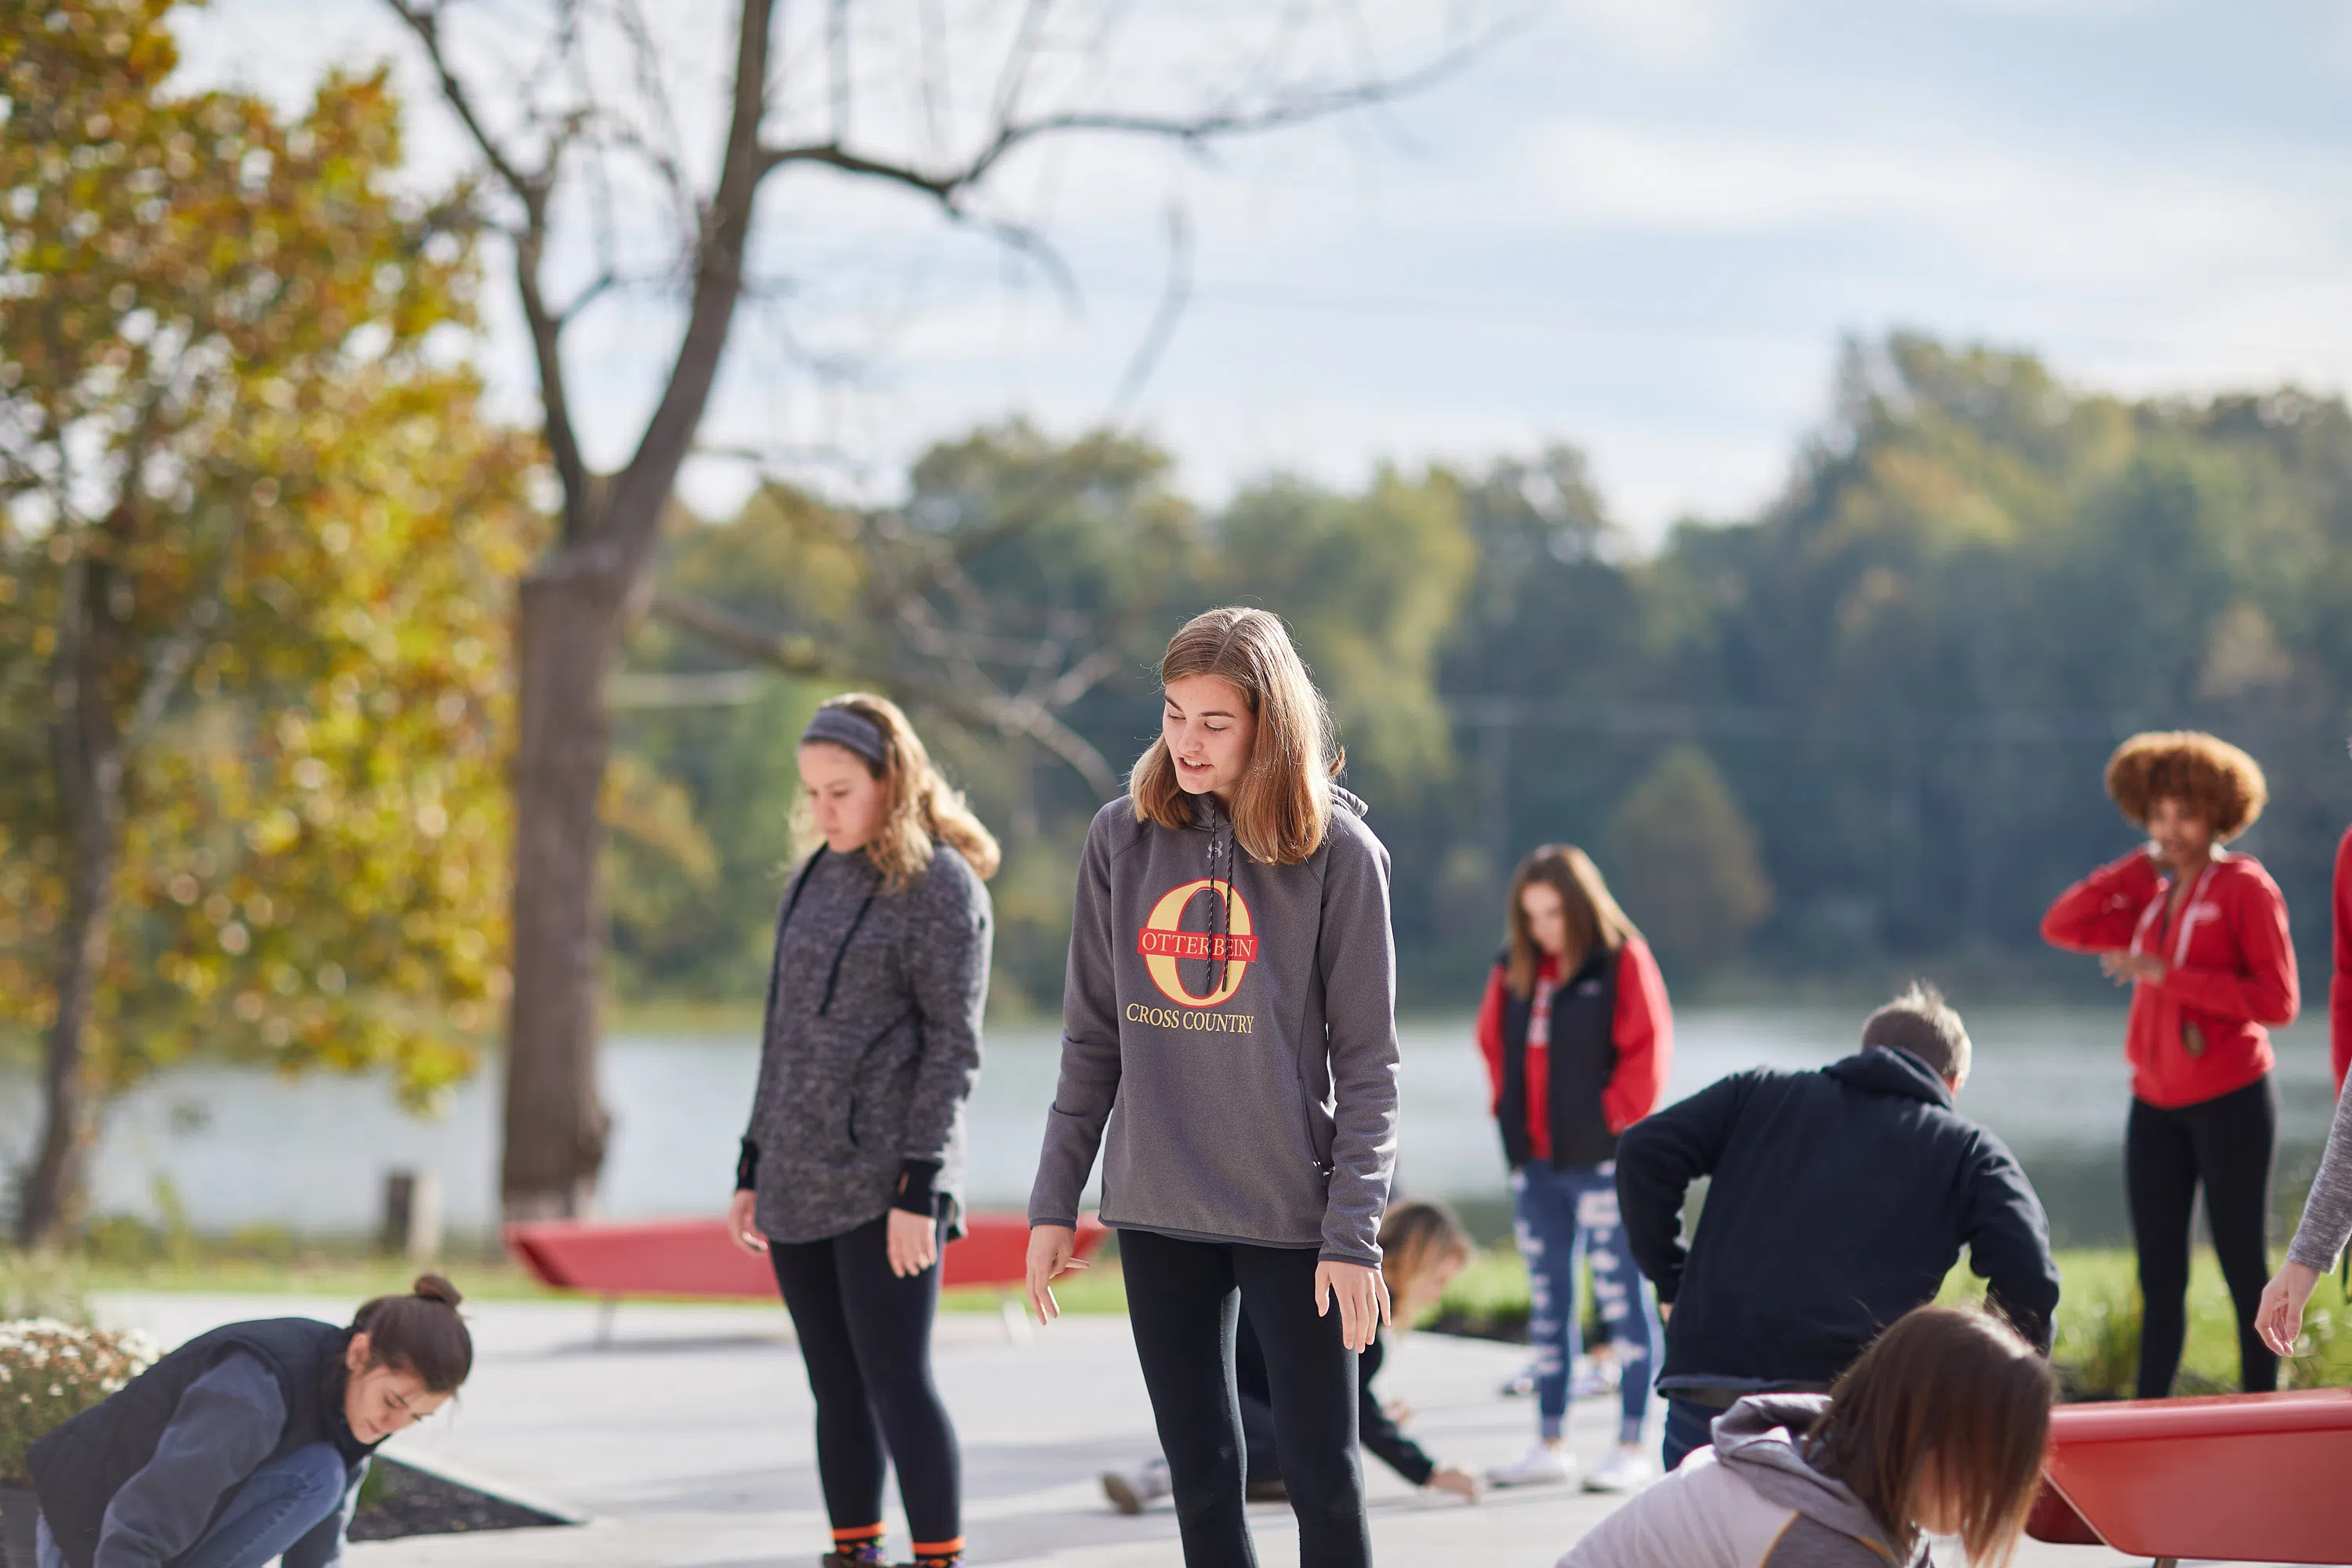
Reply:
x=241, y=1147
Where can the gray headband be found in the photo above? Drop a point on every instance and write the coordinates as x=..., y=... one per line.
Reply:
x=849, y=728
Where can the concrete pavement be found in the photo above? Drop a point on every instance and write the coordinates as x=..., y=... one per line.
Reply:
x=687, y=1443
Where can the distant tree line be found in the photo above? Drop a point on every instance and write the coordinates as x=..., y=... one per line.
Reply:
x=1859, y=733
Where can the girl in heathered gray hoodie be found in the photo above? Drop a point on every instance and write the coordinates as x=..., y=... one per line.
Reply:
x=851, y=1175
x=1229, y=1046
x=1937, y=1429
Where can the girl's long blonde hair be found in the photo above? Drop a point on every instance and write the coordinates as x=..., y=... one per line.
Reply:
x=1283, y=808
x=920, y=807
x=1592, y=915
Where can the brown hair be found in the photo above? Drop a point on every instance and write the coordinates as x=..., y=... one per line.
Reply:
x=1922, y=1023
x=921, y=808
x=1951, y=1388
x=1283, y=806
x=1592, y=915
x=1415, y=1237
x=420, y=1334
x=2204, y=772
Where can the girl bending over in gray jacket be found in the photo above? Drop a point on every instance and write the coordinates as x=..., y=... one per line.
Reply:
x=1937, y=1430
x=851, y=1177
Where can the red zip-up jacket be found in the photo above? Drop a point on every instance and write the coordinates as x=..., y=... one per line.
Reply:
x=1643, y=1028
x=2229, y=970
x=2339, y=984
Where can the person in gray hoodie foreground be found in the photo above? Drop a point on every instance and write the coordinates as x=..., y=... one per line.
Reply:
x=851, y=1177
x=2320, y=1239
x=1229, y=1046
x=1937, y=1430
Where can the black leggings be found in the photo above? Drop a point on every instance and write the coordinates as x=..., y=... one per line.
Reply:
x=1183, y=1299
x=865, y=1339
x=2228, y=1144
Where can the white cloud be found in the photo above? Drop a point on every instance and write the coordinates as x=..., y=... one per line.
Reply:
x=2053, y=215
x=1670, y=34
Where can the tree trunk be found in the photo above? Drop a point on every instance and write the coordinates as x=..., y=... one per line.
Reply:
x=566, y=628
x=54, y=1188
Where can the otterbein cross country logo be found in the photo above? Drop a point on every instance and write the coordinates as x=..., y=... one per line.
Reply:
x=1161, y=943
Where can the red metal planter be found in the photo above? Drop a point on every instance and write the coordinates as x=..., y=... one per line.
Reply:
x=697, y=1258
x=2253, y=1477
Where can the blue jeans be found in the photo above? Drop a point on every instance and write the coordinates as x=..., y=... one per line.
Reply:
x=1561, y=1218
x=1688, y=1427
x=277, y=1505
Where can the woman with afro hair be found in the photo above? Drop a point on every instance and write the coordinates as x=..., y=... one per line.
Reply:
x=2201, y=936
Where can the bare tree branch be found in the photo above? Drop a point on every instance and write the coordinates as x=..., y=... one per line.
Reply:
x=977, y=702
x=425, y=20
x=723, y=628
x=643, y=486
x=667, y=157
x=950, y=184
x=1174, y=297
x=1019, y=55
x=530, y=190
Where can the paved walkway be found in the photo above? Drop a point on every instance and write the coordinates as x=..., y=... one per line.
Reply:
x=687, y=1443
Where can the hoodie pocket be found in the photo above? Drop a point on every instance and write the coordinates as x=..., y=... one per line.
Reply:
x=1307, y=1126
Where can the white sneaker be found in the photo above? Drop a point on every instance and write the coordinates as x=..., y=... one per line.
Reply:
x=1590, y=1378
x=1626, y=1470
x=1132, y=1491
x=1543, y=1465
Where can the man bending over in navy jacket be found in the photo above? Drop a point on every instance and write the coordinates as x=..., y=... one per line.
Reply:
x=1839, y=1201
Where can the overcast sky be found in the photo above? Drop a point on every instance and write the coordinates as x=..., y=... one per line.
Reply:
x=1637, y=225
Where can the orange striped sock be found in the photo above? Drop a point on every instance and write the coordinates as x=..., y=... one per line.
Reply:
x=939, y=1553
x=862, y=1545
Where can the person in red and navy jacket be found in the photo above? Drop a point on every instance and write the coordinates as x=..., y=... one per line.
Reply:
x=1578, y=1036
x=2201, y=936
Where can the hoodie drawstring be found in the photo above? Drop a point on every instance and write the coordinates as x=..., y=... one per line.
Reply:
x=833, y=975
x=1220, y=847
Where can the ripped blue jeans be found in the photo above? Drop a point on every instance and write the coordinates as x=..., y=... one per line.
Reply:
x=1562, y=1219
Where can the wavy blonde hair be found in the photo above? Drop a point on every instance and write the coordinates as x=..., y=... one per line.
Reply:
x=921, y=808
x=1283, y=808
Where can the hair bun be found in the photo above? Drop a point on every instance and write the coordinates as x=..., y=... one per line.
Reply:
x=432, y=1288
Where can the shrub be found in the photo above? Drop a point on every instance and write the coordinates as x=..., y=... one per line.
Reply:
x=42, y=1285
x=52, y=1372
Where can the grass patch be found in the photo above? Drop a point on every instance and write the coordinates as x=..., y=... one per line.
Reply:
x=2098, y=1324
x=317, y=1274
x=1100, y=1289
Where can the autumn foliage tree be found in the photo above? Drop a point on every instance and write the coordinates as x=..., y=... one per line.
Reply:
x=253, y=542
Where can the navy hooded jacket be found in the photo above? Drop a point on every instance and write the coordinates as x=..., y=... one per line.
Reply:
x=1838, y=1200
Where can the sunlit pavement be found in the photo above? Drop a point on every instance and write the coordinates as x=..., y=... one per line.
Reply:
x=687, y=1441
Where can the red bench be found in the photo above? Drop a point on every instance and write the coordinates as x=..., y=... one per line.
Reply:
x=696, y=1258
x=2248, y=1477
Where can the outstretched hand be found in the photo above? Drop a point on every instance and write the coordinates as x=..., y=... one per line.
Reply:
x=2278, y=1318
x=1456, y=1480
x=1053, y=1252
x=1363, y=1295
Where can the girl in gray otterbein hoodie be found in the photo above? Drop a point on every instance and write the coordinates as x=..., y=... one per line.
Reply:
x=1229, y=1046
